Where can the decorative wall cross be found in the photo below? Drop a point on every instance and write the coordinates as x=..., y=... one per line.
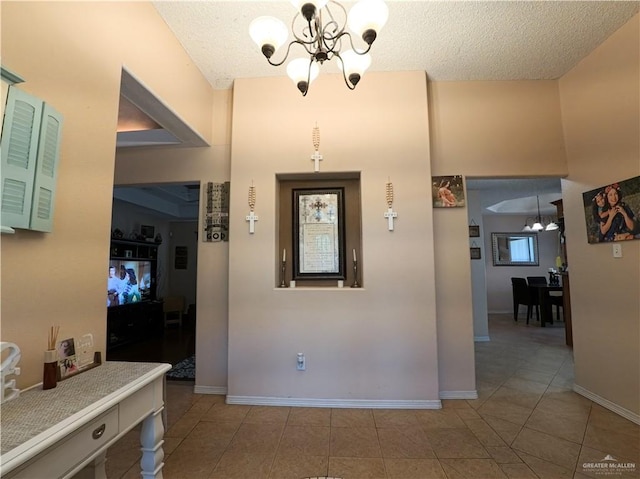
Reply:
x=316, y=157
x=252, y=217
x=390, y=214
x=318, y=205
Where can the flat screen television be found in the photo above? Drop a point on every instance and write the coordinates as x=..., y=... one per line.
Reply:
x=130, y=281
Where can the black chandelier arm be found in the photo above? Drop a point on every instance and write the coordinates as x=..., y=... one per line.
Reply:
x=322, y=29
x=304, y=86
x=348, y=35
x=344, y=73
x=306, y=32
x=286, y=55
x=331, y=30
x=322, y=41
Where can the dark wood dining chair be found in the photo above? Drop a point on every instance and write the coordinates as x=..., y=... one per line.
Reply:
x=535, y=300
x=521, y=296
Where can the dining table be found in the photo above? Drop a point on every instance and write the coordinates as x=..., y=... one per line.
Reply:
x=544, y=300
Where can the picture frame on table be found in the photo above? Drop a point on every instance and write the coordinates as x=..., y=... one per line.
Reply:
x=76, y=356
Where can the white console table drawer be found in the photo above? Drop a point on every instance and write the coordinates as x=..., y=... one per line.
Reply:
x=49, y=434
x=61, y=458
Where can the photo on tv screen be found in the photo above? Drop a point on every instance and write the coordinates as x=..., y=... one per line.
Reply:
x=128, y=281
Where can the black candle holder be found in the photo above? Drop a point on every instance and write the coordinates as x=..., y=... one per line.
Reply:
x=282, y=271
x=355, y=274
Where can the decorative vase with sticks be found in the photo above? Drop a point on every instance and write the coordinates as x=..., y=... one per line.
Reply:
x=50, y=371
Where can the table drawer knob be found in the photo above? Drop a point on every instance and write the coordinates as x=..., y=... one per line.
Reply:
x=97, y=433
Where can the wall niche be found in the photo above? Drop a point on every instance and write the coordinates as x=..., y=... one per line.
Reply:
x=292, y=189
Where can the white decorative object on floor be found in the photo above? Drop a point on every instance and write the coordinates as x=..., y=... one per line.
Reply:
x=8, y=368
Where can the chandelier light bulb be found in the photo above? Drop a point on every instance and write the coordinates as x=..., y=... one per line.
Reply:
x=302, y=70
x=367, y=17
x=308, y=8
x=552, y=226
x=316, y=3
x=537, y=226
x=269, y=33
x=354, y=65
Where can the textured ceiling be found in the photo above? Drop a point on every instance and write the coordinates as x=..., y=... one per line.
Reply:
x=516, y=195
x=450, y=40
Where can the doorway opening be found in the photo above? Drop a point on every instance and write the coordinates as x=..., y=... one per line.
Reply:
x=505, y=205
x=166, y=330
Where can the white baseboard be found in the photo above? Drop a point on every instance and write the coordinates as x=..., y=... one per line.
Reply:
x=335, y=403
x=458, y=394
x=219, y=390
x=625, y=413
x=481, y=339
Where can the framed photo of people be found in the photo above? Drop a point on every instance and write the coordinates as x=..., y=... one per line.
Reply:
x=67, y=359
x=611, y=211
x=318, y=233
x=447, y=191
x=76, y=356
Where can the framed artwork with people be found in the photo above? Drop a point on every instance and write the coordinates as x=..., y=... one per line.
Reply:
x=76, y=356
x=611, y=211
x=447, y=191
x=67, y=359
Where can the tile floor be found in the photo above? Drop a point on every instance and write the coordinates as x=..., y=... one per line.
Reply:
x=526, y=423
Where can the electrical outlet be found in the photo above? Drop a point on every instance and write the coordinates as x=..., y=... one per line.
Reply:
x=617, y=251
x=301, y=362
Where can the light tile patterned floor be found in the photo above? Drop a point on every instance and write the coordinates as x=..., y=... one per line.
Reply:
x=526, y=423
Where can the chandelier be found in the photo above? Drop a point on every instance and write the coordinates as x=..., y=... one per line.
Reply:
x=319, y=28
x=538, y=222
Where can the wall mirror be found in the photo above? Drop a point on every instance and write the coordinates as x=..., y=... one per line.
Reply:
x=515, y=249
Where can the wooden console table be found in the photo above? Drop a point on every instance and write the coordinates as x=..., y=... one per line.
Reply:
x=59, y=432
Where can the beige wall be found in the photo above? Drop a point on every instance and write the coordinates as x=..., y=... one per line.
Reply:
x=454, y=317
x=135, y=166
x=482, y=129
x=478, y=269
x=355, y=341
x=600, y=99
x=60, y=277
x=204, y=165
x=507, y=128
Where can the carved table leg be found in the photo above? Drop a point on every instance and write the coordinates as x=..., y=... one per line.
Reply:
x=151, y=440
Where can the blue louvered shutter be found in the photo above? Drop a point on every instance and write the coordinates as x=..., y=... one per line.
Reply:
x=46, y=170
x=18, y=152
